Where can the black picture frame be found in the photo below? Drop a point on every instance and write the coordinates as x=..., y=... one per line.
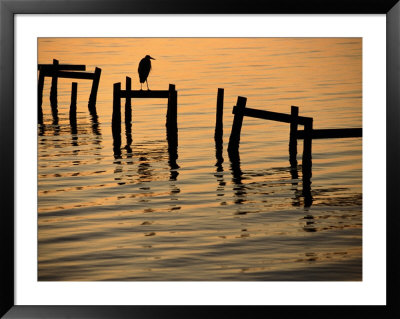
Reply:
x=8, y=10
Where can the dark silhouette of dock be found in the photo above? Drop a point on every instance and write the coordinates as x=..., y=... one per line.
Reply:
x=307, y=134
x=68, y=71
x=171, y=115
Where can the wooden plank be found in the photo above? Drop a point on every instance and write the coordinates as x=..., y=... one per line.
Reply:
x=65, y=67
x=75, y=75
x=157, y=94
x=69, y=75
x=332, y=133
x=273, y=116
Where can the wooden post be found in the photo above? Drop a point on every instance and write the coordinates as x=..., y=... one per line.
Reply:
x=307, y=163
x=234, y=139
x=40, y=97
x=218, y=135
x=54, y=82
x=172, y=114
x=219, y=115
x=128, y=112
x=172, y=108
x=172, y=126
x=293, y=136
x=72, y=108
x=93, y=92
x=307, y=148
x=116, y=119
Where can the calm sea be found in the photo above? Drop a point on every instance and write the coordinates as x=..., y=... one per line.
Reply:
x=134, y=217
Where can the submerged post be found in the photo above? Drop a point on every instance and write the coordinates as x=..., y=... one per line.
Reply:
x=172, y=126
x=307, y=163
x=218, y=135
x=172, y=114
x=128, y=112
x=93, y=92
x=294, y=113
x=40, y=96
x=116, y=118
x=307, y=146
x=72, y=108
x=234, y=139
x=219, y=116
x=54, y=82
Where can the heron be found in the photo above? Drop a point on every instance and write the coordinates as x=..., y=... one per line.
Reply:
x=144, y=70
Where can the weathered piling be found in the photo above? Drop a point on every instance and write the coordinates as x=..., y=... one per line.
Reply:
x=306, y=191
x=128, y=105
x=172, y=126
x=234, y=139
x=72, y=108
x=116, y=119
x=219, y=115
x=218, y=134
x=128, y=113
x=54, y=84
x=172, y=111
x=93, y=92
x=294, y=113
x=53, y=92
x=40, y=97
x=307, y=148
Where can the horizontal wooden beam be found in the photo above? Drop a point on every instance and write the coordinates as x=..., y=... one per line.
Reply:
x=332, y=133
x=75, y=67
x=69, y=75
x=149, y=94
x=273, y=116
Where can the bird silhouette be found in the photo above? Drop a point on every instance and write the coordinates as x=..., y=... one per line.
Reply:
x=144, y=70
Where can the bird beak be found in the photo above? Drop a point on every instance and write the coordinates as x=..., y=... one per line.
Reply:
x=152, y=58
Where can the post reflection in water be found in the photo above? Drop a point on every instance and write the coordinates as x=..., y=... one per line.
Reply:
x=144, y=164
x=302, y=197
x=218, y=153
x=305, y=191
x=74, y=135
x=60, y=135
x=219, y=171
x=237, y=177
x=95, y=123
x=42, y=129
x=147, y=157
x=171, y=142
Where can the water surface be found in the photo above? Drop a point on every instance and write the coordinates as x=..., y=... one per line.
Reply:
x=136, y=217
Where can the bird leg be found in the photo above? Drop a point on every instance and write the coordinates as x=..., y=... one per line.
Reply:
x=141, y=86
x=147, y=85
